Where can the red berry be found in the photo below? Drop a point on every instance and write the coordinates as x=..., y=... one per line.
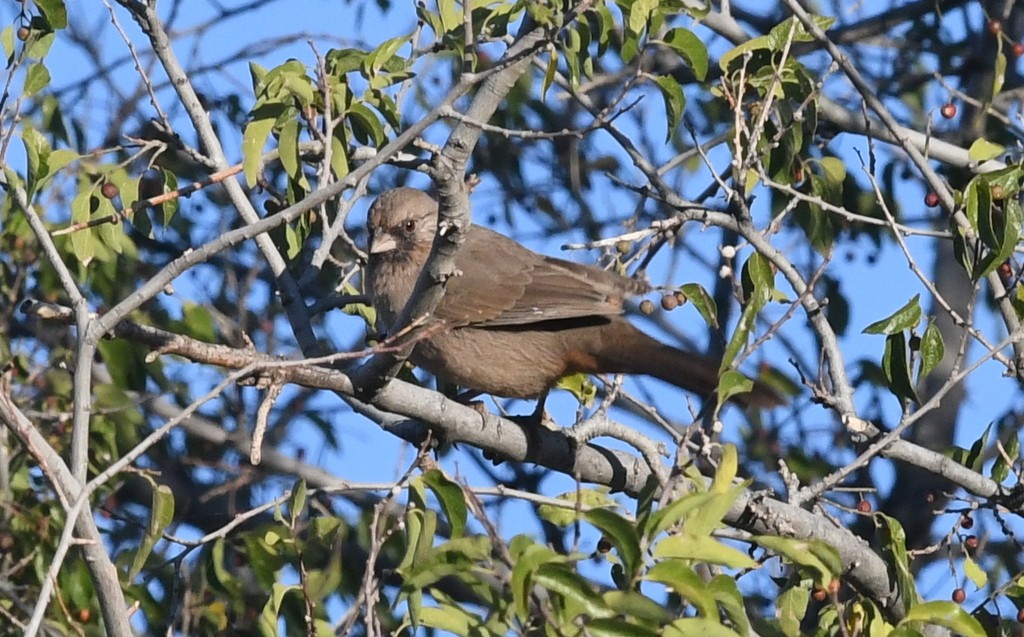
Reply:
x=819, y=595
x=109, y=190
x=1020, y=615
x=948, y=110
x=1005, y=270
x=995, y=26
x=1018, y=49
x=959, y=595
x=864, y=506
x=971, y=542
x=966, y=521
x=931, y=199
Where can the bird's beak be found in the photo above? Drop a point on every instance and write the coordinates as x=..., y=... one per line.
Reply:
x=382, y=242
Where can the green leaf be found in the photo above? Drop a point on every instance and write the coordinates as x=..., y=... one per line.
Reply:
x=580, y=386
x=896, y=365
x=55, y=12
x=272, y=609
x=706, y=627
x=791, y=608
x=676, y=511
x=288, y=150
x=37, y=152
x=37, y=77
x=946, y=614
x=728, y=465
x=732, y=383
x=1000, y=468
x=682, y=579
x=893, y=542
x=253, y=140
x=622, y=534
x=905, y=318
x=529, y=558
x=82, y=241
x=451, y=497
x=691, y=48
x=834, y=169
x=297, y=502
x=932, y=350
x=702, y=548
x=703, y=302
x=560, y=579
x=803, y=553
x=161, y=515
x=984, y=150
x=7, y=40
x=675, y=103
x=339, y=155
x=586, y=498
x=999, y=72
x=974, y=573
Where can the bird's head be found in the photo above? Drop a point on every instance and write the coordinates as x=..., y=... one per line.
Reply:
x=401, y=224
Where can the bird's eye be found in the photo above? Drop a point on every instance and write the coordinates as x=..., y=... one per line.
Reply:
x=409, y=225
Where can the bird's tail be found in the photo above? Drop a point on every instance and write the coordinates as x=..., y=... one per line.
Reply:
x=633, y=352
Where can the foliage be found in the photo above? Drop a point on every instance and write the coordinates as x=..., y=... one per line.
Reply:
x=172, y=228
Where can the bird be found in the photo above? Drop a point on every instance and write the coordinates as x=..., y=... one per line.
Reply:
x=513, y=322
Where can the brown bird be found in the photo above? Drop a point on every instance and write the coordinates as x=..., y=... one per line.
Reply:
x=517, y=321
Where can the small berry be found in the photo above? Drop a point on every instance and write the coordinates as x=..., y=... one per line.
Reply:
x=84, y=615
x=971, y=542
x=930, y=498
x=966, y=521
x=23, y=33
x=948, y=110
x=680, y=297
x=603, y=545
x=623, y=247
x=995, y=26
x=819, y=595
x=646, y=307
x=109, y=190
x=864, y=506
x=959, y=595
x=1020, y=616
x=931, y=200
x=1018, y=49
x=1005, y=270
x=669, y=302
x=998, y=193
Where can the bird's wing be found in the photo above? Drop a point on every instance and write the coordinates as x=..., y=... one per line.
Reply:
x=503, y=283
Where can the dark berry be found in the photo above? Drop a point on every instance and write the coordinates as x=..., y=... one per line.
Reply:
x=967, y=521
x=931, y=199
x=995, y=26
x=1005, y=270
x=971, y=542
x=109, y=190
x=948, y=110
x=603, y=545
x=819, y=595
x=669, y=302
x=959, y=595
